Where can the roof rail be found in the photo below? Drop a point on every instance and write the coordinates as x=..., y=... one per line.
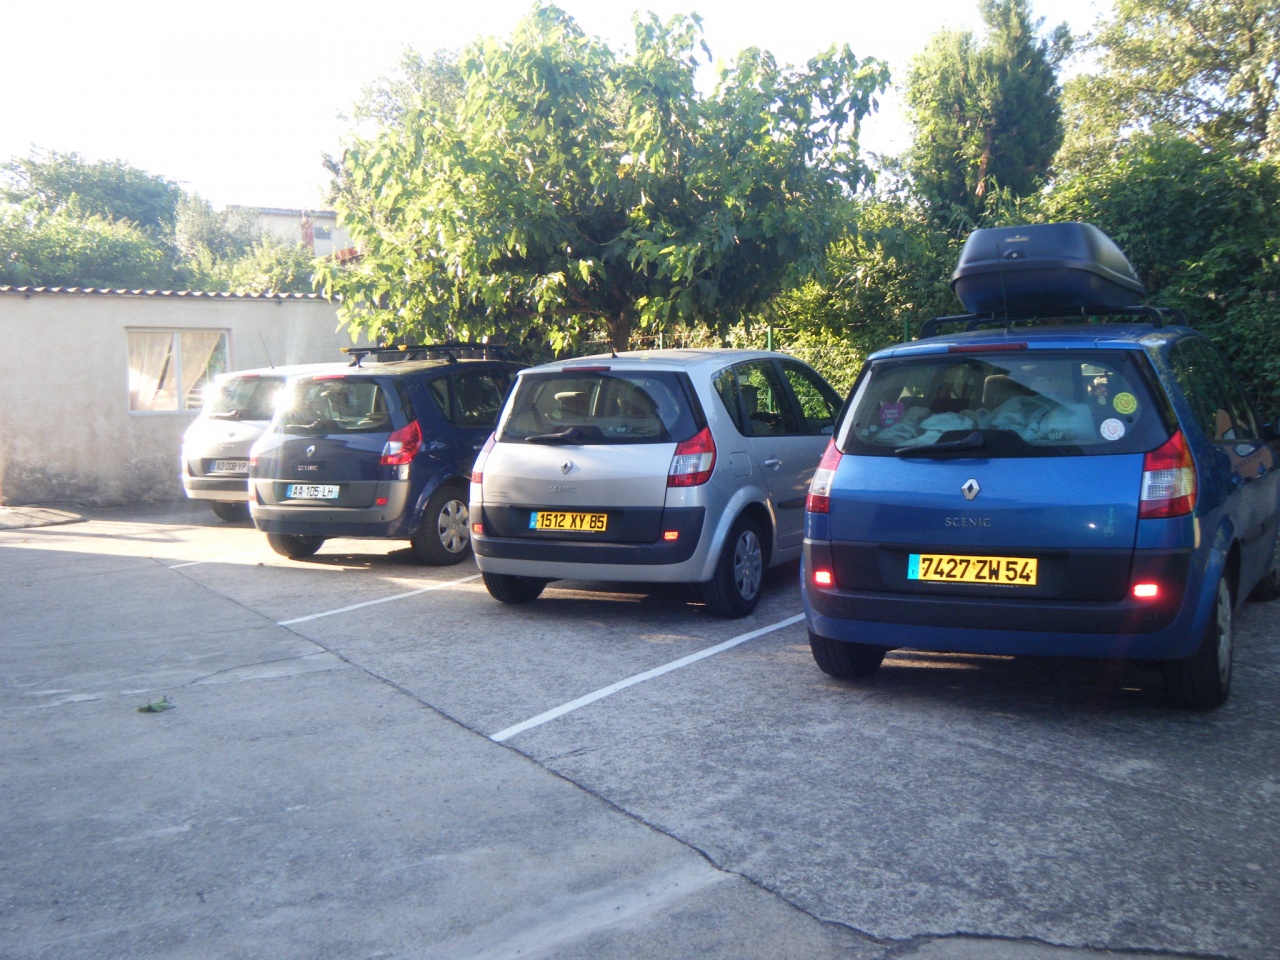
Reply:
x=1157, y=316
x=452, y=351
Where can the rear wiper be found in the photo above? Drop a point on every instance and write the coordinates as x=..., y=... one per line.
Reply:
x=974, y=440
x=569, y=435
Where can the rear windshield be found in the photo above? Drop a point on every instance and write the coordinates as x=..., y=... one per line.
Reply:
x=244, y=398
x=330, y=406
x=1005, y=404
x=569, y=406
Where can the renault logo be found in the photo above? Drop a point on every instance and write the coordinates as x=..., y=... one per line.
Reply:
x=566, y=466
x=311, y=452
x=970, y=489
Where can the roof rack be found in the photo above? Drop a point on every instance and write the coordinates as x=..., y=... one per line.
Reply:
x=1157, y=316
x=452, y=351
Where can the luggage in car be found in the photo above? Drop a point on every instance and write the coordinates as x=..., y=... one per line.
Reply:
x=1042, y=269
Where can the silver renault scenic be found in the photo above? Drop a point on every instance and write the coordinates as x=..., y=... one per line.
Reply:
x=661, y=466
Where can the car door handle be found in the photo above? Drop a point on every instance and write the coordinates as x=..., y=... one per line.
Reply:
x=773, y=463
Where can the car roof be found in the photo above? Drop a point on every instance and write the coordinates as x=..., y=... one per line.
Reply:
x=283, y=370
x=380, y=368
x=675, y=358
x=1080, y=336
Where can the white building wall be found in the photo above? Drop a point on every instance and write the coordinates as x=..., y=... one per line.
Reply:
x=66, y=430
x=318, y=228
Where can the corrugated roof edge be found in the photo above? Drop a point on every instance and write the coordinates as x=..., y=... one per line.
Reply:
x=178, y=294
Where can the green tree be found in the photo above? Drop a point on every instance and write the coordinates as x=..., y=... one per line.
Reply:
x=1202, y=229
x=68, y=248
x=269, y=265
x=1206, y=69
x=417, y=87
x=47, y=182
x=985, y=115
x=66, y=222
x=202, y=234
x=880, y=281
x=574, y=192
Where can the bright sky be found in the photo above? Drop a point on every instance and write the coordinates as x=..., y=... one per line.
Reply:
x=238, y=99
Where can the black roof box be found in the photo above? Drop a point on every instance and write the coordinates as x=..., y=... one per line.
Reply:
x=1044, y=267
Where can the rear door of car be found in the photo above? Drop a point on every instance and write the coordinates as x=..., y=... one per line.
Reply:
x=583, y=453
x=326, y=448
x=786, y=413
x=234, y=417
x=469, y=399
x=1227, y=421
x=1041, y=467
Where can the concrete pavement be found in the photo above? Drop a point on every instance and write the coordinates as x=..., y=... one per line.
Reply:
x=295, y=804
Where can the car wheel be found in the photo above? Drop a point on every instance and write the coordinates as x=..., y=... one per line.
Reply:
x=848, y=661
x=295, y=547
x=232, y=512
x=734, y=589
x=512, y=589
x=1203, y=680
x=1268, y=588
x=444, y=537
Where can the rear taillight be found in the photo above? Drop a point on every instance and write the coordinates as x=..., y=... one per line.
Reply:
x=1168, y=481
x=694, y=460
x=403, y=445
x=819, y=499
x=477, y=468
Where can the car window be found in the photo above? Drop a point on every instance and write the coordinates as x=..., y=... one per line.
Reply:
x=336, y=405
x=819, y=404
x=1032, y=403
x=766, y=407
x=442, y=393
x=479, y=394
x=573, y=406
x=726, y=387
x=244, y=398
x=1214, y=393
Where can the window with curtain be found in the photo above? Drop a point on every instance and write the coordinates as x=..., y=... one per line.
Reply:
x=168, y=369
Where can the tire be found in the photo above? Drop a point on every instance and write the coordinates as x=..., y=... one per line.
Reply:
x=295, y=547
x=230, y=511
x=1268, y=588
x=444, y=537
x=848, y=661
x=734, y=589
x=1203, y=680
x=512, y=589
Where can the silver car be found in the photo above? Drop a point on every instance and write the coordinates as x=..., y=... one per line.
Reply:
x=215, y=449
x=662, y=466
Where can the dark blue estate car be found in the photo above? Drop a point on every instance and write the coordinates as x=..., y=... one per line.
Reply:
x=1023, y=485
x=379, y=450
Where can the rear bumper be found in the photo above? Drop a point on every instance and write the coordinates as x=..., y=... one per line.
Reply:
x=226, y=489
x=1015, y=624
x=392, y=520
x=659, y=560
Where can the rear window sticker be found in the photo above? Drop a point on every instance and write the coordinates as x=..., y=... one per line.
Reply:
x=891, y=413
x=1111, y=429
x=1125, y=403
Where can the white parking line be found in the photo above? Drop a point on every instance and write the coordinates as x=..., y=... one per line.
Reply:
x=600, y=694
x=370, y=603
x=226, y=558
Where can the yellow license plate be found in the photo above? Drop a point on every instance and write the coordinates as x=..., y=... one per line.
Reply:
x=572, y=522
x=949, y=568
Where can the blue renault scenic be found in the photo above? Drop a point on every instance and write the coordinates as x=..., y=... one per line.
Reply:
x=1060, y=472
x=381, y=449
